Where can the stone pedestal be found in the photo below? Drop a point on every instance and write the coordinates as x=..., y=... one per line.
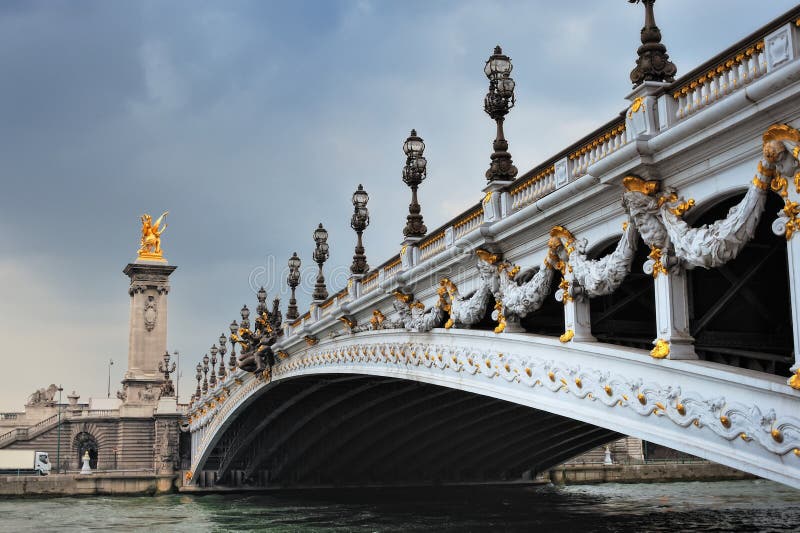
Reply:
x=148, y=330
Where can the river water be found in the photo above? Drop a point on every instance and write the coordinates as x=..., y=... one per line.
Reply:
x=674, y=507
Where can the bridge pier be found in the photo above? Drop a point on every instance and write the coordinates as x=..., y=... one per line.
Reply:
x=673, y=340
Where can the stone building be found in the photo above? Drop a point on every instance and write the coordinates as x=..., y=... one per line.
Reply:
x=137, y=430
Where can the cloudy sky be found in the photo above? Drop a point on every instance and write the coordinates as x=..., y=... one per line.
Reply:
x=252, y=122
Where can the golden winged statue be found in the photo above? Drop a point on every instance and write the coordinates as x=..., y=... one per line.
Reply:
x=150, y=248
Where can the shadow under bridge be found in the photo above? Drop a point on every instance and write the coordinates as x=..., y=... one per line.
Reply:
x=342, y=429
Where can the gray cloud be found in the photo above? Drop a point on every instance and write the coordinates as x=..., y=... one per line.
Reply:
x=252, y=122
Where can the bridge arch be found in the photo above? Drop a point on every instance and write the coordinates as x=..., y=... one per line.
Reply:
x=740, y=312
x=521, y=402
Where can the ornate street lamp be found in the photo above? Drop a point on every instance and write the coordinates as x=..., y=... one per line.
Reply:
x=205, y=373
x=293, y=280
x=359, y=222
x=653, y=63
x=499, y=100
x=262, y=301
x=321, y=253
x=245, y=313
x=213, y=380
x=234, y=327
x=198, y=376
x=167, y=388
x=222, y=351
x=414, y=173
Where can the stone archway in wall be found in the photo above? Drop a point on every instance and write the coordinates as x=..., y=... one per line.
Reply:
x=627, y=316
x=82, y=443
x=740, y=313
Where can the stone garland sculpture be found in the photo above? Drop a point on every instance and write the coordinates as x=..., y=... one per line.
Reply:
x=519, y=294
x=602, y=276
x=470, y=309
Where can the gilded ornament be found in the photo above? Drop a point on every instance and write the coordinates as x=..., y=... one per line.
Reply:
x=760, y=184
x=658, y=265
x=566, y=336
x=681, y=409
x=528, y=372
x=401, y=296
x=637, y=184
x=150, y=246
x=636, y=106
x=487, y=256
x=642, y=398
x=725, y=421
x=579, y=383
x=377, y=319
x=794, y=381
x=608, y=390
x=311, y=340
x=680, y=209
x=350, y=323
x=501, y=319
x=781, y=132
x=777, y=435
x=661, y=349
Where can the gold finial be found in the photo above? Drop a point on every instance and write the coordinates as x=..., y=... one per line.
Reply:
x=637, y=184
x=150, y=246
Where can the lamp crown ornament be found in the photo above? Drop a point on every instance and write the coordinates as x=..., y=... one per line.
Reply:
x=414, y=173
x=653, y=63
x=359, y=222
x=497, y=103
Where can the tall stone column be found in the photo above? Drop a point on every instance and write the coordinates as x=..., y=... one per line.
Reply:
x=147, y=340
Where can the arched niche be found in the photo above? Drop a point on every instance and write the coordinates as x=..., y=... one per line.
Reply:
x=739, y=313
x=82, y=443
x=626, y=317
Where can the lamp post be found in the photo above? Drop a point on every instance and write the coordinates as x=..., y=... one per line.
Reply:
x=234, y=327
x=261, y=308
x=414, y=173
x=205, y=373
x=177, y=375
x=499, y=100
x=293, y=280
x=222, y=351
x=110, y=364
x=198, y=376
x=653, y=63
x=58, y=439
x=359, y=222
x=164, y=367
x=321, y=252
x=245, y=314
x=213, y=381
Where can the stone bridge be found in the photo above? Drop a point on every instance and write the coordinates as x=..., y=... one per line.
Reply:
x=643, y=282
